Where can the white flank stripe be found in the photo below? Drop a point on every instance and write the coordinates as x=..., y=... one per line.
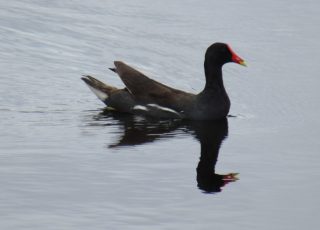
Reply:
x=164, y=108
x=140, y=107
x=101, y=95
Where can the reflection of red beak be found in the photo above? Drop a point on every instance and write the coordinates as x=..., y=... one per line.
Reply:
x=235, y=58
x=231, y=177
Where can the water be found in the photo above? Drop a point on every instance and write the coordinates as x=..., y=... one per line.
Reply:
x=66, y=164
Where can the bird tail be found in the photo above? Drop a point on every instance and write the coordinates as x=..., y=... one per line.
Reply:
x=100, y=89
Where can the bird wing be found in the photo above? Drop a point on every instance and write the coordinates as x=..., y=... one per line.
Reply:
x=148, y=90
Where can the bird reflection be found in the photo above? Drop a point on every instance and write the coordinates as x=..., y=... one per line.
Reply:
x=210, y=134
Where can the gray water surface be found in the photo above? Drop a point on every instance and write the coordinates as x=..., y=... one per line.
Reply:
x=67, y=164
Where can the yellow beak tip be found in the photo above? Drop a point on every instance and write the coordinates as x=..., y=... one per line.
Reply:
x=243, y=63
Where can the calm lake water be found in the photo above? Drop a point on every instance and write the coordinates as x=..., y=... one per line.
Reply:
x=67, y=164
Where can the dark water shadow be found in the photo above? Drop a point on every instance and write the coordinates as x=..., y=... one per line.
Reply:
x=210, y=134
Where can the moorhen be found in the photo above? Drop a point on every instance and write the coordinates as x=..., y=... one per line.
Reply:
x=145, y=96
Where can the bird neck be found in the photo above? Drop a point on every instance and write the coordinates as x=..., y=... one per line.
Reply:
x=213, y=76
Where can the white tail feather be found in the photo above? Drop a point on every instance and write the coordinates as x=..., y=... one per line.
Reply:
x=101, y=95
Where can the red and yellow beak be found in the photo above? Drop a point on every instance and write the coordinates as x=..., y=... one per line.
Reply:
x=236, y=59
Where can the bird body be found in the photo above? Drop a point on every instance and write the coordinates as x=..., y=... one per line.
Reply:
x=146, y=96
